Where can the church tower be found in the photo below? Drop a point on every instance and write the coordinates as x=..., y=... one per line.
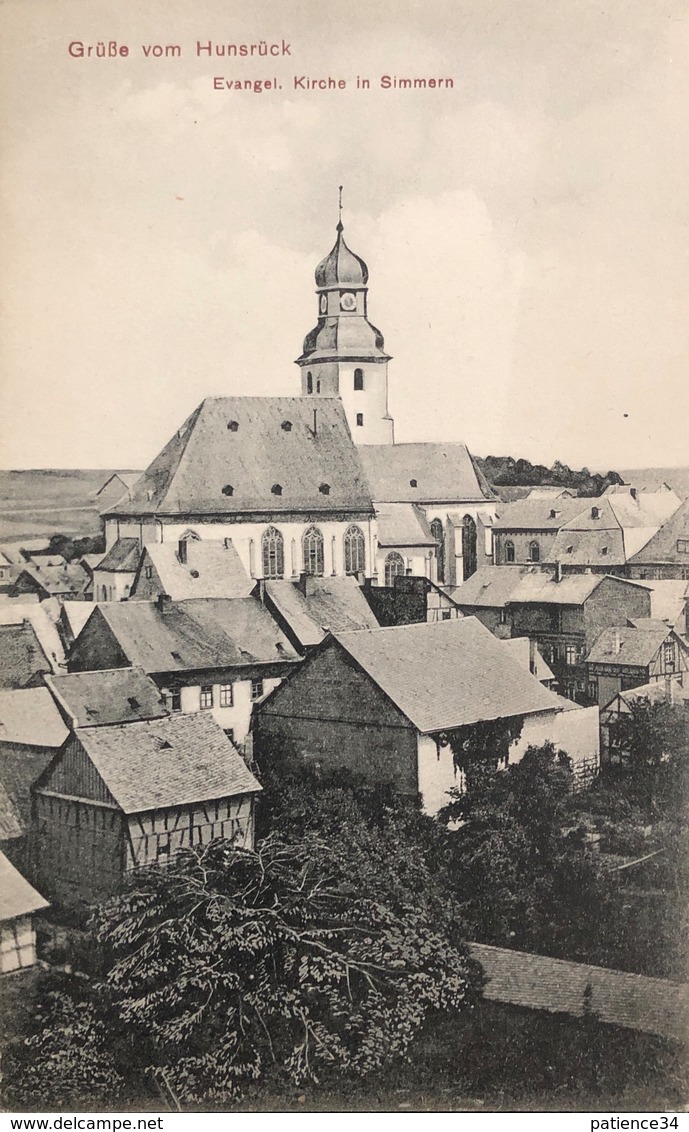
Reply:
x=344, y=355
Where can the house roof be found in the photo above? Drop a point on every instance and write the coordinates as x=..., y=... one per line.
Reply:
x=550, y=492
x=442, y=472
x=17, y=896
x=115, y=695
x=123, y=557
x=203, y=633
x=628, y=644
x=69, y=579
x=212, y=569
x=403, y=524
x=323, y=605
x=22, y=660
x=232, y=453
x=588, y=548
x=534, y=513
x=41, y=616
x=29, y=717
x=91, y=561
x=662, y=547
x=75, y=614
x=536, y=587
x=488, y=587
x=447, y=674
x=172, y=761
x=668, y=598
x=127, y=479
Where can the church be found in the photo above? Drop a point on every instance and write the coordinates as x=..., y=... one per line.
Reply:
x=312, y=484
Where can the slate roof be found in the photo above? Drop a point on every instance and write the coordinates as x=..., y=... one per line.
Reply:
x=662, y=547
x=655, y=1006
x=628, y=645
x=173, y=761
x=246, y=446
x=443, y=473
x=11, y=825
x=520, y=649
x=656, y=692
x=200, y=634
x=115, y=695
x=488, y=587
x=17, y=896
x=41, y=616
x=588, y=548
x=668, y=598
x=330, y=604
x=446, y=674
x=403, y=524
x=19, y=769
x=534, y=513
x=28, y=716
x=75, y=614
x=70, y=579
x=123, y=557
x=22, y=660
x=537, y=587
x=213, y=569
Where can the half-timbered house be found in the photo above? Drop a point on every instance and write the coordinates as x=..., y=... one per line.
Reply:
x=124, y=796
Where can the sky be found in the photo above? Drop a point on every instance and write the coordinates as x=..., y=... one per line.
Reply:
x=526, y=230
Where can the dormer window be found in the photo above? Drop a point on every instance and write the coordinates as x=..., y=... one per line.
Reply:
x=228, y=489
x=570, y=550
x=324, y=489
x=232, y=426
x=604, y=550
x=286, y=426
x=276, y=489
x=555, y=514
x=413, y=483
x=595, y=512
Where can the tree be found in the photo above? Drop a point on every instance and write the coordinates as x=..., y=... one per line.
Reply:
x=523, y=877
x=232, y=966
x=654, y=736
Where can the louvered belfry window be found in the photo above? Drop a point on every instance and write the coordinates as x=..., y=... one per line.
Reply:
x=273, y=553
x=354, y=551
x=313, y=552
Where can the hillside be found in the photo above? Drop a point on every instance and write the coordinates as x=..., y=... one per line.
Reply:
x=42, y=501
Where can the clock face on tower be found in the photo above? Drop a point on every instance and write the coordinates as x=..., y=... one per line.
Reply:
x=348, y=301
x=324, y=304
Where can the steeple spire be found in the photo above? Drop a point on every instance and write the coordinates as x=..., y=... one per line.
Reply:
x=339, y=219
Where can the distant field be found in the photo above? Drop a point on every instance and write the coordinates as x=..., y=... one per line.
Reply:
x=42, y=502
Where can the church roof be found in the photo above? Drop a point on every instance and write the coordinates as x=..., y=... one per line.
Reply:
x=341, y=266
x=423, y=473
x=235, y=455
x=403, y=524
x=348, y=336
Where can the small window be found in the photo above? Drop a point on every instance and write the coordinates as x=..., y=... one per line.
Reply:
x=256, y=689
x=445, y=614
x=318, y=385
x=604, y=550
x=149, y=572
x=226, y=695
x=503, y=616
x=358, y=379
x=228, y=489
x=534, y=552
x=413, y=483
x=571, y=655
x=276, y=489
x=570, y=550
x=683, y=545
x=309, y=382
x=206, y=700
x=286, y=426
x=360, y=420
x=669, y=656
x=509, y=552
x=232, y=426
x=324, y=489
x=595, y=512
x=592, y=689
x=172, y=698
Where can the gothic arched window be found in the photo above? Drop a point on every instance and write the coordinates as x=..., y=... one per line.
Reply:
x=309, y=382
x=273, y=546
x=534, y=552
x=313, y=552
x=439, y=535
x=509, y=552
x=469, y=546
x=394, y=567
x=358, y=379
x=354, y=551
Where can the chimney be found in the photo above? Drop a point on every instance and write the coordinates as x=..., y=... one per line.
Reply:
x=532, y=657
x=227, y=543
x=182, y=551
x=633, y=492
x=616, y=641
x=315, y=422
x=164, y=602
x=558, y=571
x=306, y=584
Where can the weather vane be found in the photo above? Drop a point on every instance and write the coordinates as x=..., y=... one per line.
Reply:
x=340, y=205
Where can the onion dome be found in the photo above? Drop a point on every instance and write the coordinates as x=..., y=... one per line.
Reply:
x=341, y=266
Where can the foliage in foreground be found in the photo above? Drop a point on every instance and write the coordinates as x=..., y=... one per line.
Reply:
x=232, y=966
